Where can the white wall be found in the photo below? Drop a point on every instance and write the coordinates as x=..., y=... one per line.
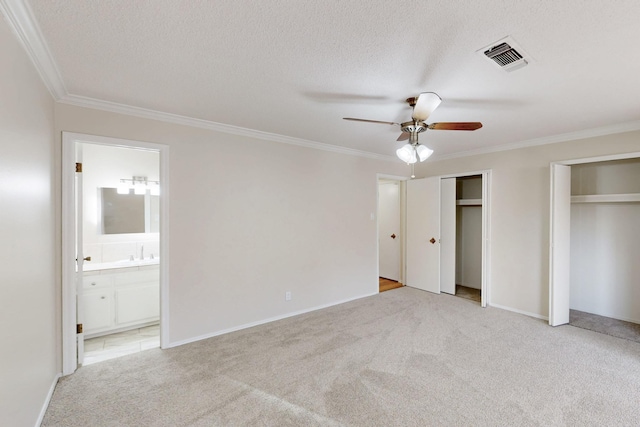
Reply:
x=104, y=166
x=29, y=285
x=520, y=212
x=605, y=241
x=251, y=219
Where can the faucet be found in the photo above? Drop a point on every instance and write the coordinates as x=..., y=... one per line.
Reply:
x=141, y=252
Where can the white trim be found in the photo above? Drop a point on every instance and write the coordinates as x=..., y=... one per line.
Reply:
x=607, y=158
x=23, y=24
x=515, y=310
x=485, y=287
x=606, y=198
x=570, y=136
x=262, y=322
x=47, y=400
x=114, y=107
x=69, y=361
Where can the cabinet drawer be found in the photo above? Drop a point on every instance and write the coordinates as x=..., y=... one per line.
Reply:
x=137, y=277
x=96, y=281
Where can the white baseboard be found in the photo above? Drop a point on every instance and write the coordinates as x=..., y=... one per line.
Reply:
x=515, y=310
x=262, y=322
x=47, y=400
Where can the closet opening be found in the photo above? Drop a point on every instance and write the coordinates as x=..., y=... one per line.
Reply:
x=604, y=294
x=468, y=259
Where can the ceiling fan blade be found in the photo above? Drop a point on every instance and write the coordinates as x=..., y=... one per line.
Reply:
x=370, y=121
x=403, y=136
x=455, y=126
x=426, y=103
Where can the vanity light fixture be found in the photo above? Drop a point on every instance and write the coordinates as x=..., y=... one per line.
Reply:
x=139, y=185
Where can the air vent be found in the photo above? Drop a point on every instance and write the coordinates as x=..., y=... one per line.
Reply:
x=505, y=54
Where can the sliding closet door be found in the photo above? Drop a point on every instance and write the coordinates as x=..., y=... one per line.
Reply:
x=423, y=234
x=560, y=254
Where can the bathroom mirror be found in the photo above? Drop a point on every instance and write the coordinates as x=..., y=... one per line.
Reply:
x=129, y=213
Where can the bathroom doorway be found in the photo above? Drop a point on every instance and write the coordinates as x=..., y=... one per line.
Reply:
x=115, y=227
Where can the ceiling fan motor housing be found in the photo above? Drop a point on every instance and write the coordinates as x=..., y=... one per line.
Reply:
x=412, y=127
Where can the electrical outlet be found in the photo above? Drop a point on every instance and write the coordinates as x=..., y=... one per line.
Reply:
x=287, y=296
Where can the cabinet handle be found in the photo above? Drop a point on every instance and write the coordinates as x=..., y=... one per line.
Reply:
x=102, y=297
x=93, y=283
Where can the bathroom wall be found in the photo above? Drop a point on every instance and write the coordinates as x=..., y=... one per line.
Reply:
x=104, y=166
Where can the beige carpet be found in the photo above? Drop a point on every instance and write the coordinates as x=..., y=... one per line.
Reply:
x=401, y=358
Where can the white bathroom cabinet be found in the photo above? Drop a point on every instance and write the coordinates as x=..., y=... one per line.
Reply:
x=120, y=299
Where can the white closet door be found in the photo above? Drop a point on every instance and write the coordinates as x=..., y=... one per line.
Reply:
x=423, y=234
x=560, y=254
x=448, y=236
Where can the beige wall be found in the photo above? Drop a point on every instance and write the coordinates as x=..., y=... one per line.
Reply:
x=520, y=212
x=29, y=321
x=251, y=219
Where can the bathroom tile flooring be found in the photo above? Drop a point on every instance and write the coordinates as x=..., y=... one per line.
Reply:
x=116, y=345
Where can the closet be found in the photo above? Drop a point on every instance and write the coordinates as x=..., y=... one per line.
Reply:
x=468, y=273
x=605, y=239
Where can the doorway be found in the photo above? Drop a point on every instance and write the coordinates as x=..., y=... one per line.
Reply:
x=390, y=227
x=114, y=248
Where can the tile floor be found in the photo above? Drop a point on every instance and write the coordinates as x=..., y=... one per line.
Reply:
x=116, y=345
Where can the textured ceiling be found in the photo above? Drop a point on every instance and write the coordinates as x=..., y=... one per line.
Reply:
x=295, y=68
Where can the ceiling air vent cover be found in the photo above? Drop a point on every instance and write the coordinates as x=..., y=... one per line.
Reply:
x=505, y=54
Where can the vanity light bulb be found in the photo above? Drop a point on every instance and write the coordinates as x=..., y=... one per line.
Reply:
x=139, y=188
x=123, y=188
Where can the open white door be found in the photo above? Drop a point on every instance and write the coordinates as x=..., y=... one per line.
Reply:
x=448, y=236
x=423, y=234
x=389, y=230
x=559, y=251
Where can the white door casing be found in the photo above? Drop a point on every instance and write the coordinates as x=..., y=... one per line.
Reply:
x=559, y=250
x=389, y=232
x=448, y=236
x=79, y=218
x=423, y=234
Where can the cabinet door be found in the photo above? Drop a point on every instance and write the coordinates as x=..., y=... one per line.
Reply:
x=136, y=304
x=98, y=313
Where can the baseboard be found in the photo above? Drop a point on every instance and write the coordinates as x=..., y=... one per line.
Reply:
x=47, y=400
x=515, y=310
x=262, y=322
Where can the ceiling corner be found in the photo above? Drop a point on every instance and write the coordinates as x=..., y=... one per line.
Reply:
x=21, y=20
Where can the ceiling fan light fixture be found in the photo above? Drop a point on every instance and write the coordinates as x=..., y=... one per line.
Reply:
x=423, y=152
x=407, y=154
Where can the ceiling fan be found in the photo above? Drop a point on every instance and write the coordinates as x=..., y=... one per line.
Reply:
x=423, y=105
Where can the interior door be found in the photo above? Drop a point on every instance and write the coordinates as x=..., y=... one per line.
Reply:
x=448, y=235
x=423, y=234
x=389, y=230
x=559, y=252
x=79, y=253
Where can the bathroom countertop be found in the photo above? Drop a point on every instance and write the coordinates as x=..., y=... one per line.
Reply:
x=89, y=267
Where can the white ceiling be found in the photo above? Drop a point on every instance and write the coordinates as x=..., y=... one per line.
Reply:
x=295, y=68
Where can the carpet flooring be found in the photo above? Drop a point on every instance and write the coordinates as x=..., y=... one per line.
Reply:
x=400, y=358
x=605, y=325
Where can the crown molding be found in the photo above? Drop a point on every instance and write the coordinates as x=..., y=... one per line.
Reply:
x=113, y=107
x=20, y=18
x=563, y=137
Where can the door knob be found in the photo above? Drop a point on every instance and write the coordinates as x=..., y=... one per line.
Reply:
x=393, y=236
x=433, y=241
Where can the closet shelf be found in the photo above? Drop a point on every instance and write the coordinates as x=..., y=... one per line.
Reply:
x=469, y=202
x=606, y=198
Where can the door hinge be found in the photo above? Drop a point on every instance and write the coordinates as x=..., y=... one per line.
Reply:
x=78, y=167
x=79, y=328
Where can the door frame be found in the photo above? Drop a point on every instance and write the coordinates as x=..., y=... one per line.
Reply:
x=69, y=291
x=561, y=289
